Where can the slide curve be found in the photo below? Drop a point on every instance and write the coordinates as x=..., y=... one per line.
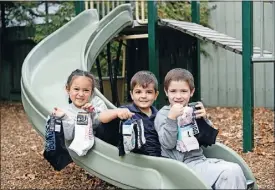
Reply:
x=76, y=46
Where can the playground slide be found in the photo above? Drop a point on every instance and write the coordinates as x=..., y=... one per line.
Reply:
x=44, y=74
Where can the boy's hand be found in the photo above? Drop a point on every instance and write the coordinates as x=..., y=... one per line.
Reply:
x=58, y=112
x=88, y=107
x=124, y=113
x=200, y=112
x=175, y=111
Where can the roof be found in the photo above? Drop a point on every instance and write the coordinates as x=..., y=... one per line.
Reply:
x=209, y=35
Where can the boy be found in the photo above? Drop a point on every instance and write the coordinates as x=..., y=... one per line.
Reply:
x=217, y=173
x=144, y=91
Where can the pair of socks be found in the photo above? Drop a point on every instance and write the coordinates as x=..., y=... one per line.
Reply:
x=55, y=151
x=83, y=137
x=128, y=132
x=187, y=129
x=133, y=135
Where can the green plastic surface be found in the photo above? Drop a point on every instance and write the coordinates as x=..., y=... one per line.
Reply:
x=44, y=75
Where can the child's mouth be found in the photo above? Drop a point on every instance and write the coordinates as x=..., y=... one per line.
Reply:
x=143, y=101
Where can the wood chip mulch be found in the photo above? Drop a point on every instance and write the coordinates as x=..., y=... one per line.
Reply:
x=23, y=165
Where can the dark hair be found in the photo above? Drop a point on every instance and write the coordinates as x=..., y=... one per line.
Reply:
x=144, y=78
x=179, y=74
x=77, y=73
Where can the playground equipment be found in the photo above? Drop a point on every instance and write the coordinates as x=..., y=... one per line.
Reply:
x=250, y=54
x=77, y=45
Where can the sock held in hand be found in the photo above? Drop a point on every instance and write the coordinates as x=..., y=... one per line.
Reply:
x=83, y=137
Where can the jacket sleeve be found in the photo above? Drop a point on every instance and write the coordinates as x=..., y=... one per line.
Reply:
x=167, y=130
x=68, y=126
x=99, y=106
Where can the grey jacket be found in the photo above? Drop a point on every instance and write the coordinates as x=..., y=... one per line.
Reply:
x=71, y=112
x=168, y=132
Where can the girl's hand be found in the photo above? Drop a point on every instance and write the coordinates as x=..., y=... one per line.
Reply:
x=88, y=107
x=200, y=112
x=124, y=113
x=58, y=112
x=175, y=111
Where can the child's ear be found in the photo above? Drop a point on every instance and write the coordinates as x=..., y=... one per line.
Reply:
x=67, y=89
x=166, y=93
x=131, y=93
x=156, y=96
x=192, y=92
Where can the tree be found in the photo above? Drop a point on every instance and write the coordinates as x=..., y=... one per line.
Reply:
x=44, y=16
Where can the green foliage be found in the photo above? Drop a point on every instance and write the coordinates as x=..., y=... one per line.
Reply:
x=181, y=10
x=61, y=17
x=27, y=12
x=104, y=61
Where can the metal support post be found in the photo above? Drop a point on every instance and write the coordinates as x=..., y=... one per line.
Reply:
x=264, y=56
x=247, y=67
x=195, y=8
x=153, y=41
x=273, y=6
x=79, y=7
x=262, y=29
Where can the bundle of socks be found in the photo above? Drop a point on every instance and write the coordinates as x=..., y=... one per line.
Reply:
x=84, y=136
x=55, y=151
x=187, y=129
x=133, y=135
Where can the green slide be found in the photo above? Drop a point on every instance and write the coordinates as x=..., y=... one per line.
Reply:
x=44, y=74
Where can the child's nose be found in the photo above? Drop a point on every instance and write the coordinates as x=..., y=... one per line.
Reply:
x=81, y=93
x=178, y=95
x=143, y=94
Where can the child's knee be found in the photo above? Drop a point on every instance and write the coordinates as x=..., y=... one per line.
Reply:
x=232, y=170
x=236, y=169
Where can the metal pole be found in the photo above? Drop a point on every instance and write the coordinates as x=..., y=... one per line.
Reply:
x=79, y=7
x=195, y=8
x=153, y=41
x=247, y=67
x=262, y=28
x=274, y=30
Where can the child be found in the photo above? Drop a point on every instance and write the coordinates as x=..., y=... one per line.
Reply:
x=80, y=87
x=219, y=174
x=144, y=91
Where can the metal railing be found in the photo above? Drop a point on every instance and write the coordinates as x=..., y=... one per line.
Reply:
x=140, y=12
x=104, y=7
x=263, y=57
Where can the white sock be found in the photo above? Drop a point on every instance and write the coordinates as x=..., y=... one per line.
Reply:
x=83, y=137
x=129, y=139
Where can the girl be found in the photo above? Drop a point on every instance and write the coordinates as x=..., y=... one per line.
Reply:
x=80, y=87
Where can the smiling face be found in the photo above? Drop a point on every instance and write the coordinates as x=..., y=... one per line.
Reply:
x=179, y=92
x=144, y=97
x=80, y=90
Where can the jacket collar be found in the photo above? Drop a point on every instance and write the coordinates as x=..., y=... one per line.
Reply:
x=133, y=108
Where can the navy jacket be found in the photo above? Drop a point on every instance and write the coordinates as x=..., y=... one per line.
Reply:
x=152, y=145
x=109, y=132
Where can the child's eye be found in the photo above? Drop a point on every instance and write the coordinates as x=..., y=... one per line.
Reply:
x=137, y=92
x=149, y=92
x=76, y=89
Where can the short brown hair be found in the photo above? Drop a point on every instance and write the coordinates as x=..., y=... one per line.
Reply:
x=144, y=78
x=179, y=74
